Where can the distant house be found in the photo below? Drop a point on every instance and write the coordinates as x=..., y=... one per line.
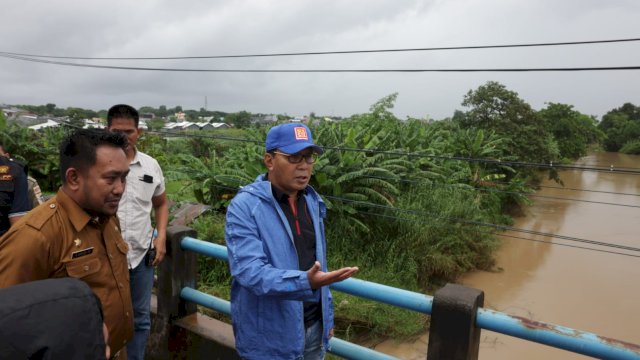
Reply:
x=171, y=127
x=26, y=119
x=180, y=126
x=183, y=126
x=147, y=116
x=93, y=124
x=180, y=116
x=190, y=126
x=300, y=119
x=11, y=112
x=48, y=124
x=264, y=119
x=205, y=126
x=221, y=125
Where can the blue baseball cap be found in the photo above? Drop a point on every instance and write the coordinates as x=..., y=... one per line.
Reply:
x=290, y=138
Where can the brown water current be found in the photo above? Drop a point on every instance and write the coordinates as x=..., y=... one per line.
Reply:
x=582, y=289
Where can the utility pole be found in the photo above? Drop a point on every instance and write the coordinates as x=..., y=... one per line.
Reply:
x=205, y=102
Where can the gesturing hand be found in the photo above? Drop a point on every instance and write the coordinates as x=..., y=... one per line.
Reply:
x=319, y=278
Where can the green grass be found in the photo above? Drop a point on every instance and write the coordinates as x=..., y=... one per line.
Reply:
x=174, y=190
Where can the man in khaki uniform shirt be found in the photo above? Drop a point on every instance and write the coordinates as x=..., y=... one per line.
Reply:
x=76, y=233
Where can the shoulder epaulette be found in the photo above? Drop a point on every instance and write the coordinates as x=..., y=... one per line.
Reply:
x=39, y=218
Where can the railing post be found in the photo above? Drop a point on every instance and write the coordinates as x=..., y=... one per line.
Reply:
x=176, y=271
x=453, y=334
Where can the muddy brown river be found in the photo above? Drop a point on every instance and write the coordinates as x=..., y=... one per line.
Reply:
x=587, y=290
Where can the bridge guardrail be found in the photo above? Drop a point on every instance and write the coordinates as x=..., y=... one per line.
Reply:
x=454, y=326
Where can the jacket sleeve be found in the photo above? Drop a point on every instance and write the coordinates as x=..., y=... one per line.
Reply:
x=249, y=264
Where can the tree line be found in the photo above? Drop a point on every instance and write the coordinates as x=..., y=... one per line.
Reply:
x=558, y=129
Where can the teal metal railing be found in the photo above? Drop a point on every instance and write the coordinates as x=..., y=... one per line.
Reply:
x=548, y=334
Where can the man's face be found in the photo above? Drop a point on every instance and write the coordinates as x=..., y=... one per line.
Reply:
x=288, y=177
x=128, y=127
x=101, y=188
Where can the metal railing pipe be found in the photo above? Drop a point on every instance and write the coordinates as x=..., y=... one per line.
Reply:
x=205, y=248
x=337, y=346
x=382, y=293
x=206, y=300
x=352, y=351
x=386, y=294
x=556, y=336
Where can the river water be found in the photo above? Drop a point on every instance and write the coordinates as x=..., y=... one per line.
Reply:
x=587, y=290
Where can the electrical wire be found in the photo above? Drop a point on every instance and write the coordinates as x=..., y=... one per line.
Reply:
x=440, y=48
x=480, y=223
x=611, y=169
x=518, y=193
x=551, y=165
x=507, y=235
x=567, y=245
x=585, y=190
x=134, y=68
x=472, y=222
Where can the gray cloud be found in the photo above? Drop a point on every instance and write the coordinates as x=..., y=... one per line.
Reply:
x=187, y=28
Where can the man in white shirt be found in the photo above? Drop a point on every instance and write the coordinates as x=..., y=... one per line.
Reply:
x=145, y=190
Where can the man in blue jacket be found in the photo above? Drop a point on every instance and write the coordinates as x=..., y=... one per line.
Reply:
x=280, y=303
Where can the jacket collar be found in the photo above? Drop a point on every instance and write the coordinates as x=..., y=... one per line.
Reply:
x=262, y=189
x=77, y=216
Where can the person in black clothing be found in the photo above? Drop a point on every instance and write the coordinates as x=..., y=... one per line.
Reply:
x=51, y=319
x=33, y=189
x=14, y=199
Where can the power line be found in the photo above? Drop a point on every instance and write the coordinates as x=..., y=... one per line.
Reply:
x=586, y=190
x=506, y=235
x=441, y=48
x=578, y=189
x=134, y=68
x=551, y=165
x=472, y=222
x=497, y=190
x=480, y=223
x=519, y=193
x=213, y=137
x=611, y=169
x=567, y=245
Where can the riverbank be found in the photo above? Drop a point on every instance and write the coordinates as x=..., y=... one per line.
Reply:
x=581, y=289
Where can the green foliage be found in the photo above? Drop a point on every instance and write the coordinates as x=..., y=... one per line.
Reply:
x=3, y=121
x=240, y=119
x=215, y=179
x=213, y=274
x=631, y=147
x=620, y=126
x=156, y=147
x=155, y=124
x=163, y=112
x=51, y=110
x=493, y=107
x=39, y=150
x=572, y=131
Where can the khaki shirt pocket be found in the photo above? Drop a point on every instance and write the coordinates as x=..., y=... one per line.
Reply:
x=84, y=268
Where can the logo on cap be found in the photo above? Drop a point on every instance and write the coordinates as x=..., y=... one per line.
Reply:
x=301, y=133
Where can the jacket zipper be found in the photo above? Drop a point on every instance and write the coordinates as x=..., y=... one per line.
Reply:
x=294, y=210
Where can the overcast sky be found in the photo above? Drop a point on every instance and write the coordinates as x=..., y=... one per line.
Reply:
x=145, y=28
